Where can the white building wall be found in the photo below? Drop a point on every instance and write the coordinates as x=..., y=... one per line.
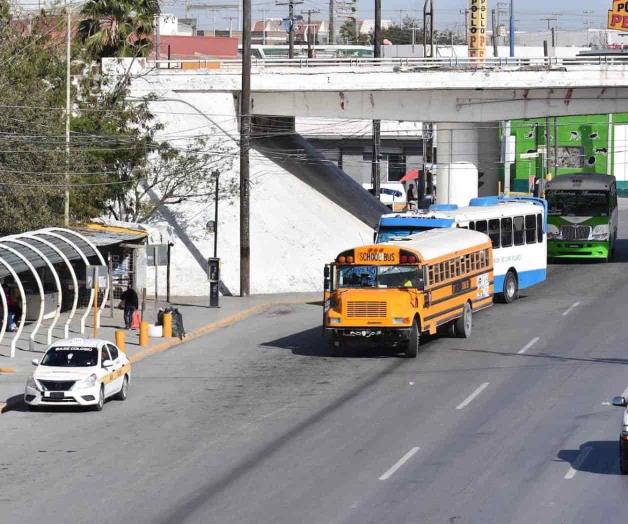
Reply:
x=294, y=229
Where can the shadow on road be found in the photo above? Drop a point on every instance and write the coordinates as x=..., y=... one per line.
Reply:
x=598, y=456
x=312, y=343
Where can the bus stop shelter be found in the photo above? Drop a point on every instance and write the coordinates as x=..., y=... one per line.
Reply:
x=46, y=270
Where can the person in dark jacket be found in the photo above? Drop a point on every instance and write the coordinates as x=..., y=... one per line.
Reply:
x=131, y=304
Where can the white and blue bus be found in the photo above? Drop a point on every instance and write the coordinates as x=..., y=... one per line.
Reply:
x=517, y=227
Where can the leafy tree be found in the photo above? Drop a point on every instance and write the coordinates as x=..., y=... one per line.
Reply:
x=348, y=33
x=117, y=163
x=118, y=27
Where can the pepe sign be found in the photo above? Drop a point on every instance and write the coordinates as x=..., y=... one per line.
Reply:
x=618, y=16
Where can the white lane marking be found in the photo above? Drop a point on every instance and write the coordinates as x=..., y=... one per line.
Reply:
x=470, y=398
x=578, y=463
x=570, y=308
x=528, y=346
x=399, y=463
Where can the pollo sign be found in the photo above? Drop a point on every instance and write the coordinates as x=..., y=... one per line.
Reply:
x=618, y=16
x=477, y=28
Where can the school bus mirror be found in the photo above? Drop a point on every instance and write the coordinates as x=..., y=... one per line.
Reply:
x=327, y=273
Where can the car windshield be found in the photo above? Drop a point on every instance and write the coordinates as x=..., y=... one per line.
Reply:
x=388, y=233
x=74, y=357
x=379, y=277
x=578, y=203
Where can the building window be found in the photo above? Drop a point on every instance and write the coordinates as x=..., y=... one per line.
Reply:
x=396, y=166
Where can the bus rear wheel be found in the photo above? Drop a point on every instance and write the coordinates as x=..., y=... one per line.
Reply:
x=511, y=288
x=464, y=324
x=412, y=349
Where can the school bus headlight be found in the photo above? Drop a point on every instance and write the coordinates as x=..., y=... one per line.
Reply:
x=401, y=320
x=334, y=320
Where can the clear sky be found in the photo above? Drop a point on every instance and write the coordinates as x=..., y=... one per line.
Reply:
x=530, y=13
x=571, y=14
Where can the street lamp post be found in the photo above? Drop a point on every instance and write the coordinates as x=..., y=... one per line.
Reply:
x=512, y=28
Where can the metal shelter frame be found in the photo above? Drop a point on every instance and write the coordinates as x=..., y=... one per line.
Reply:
x=24, y=253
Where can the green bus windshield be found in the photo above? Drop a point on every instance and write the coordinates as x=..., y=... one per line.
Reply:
x=578, y=203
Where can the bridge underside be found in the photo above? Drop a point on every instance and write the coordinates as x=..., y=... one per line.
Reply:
x=447, y=105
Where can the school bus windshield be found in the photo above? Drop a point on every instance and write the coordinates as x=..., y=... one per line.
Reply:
x=379, y=277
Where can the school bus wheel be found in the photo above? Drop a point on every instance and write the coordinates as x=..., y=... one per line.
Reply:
x=464, y=324
x=412, y=348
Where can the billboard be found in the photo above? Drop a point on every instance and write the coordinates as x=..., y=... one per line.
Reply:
x=476, y=37
x=618, y=16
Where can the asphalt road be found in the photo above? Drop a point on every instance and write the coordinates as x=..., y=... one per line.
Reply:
x=258, y=423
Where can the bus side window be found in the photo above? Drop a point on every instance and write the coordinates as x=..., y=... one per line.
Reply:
x=493, y=232
x=518, y=226
x=472, y=226
x=480, y=226
x=530, y=229
x=506, y=232
x=539, y=227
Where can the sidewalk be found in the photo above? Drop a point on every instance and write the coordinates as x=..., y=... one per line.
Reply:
x=198, y=320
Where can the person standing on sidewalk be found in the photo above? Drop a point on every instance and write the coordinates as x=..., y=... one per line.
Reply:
x=131, y=304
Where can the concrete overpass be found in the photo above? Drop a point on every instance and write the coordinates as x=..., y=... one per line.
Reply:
x=466, y=99
x=435, y=90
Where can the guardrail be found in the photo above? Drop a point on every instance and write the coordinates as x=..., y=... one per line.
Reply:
x=395, y=64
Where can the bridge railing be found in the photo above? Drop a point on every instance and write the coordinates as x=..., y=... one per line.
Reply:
x=394, y=64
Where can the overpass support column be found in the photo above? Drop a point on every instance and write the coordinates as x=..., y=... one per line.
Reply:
x=462, y=149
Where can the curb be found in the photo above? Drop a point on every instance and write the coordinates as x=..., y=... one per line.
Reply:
x=13, y=402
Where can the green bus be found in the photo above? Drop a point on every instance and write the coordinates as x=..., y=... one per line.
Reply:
x=582, y=217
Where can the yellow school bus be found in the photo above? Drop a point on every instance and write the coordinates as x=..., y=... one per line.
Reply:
x=393, y=292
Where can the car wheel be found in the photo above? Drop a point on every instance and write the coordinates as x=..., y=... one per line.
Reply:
x=101, y=399
x=124, y=390
x=412, y=349
x=464, y=324
x=511, y=288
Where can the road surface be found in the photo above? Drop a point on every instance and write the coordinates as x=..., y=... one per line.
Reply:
x=259, y=423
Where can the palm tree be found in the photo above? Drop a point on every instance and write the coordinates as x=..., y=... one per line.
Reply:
x=120, y=28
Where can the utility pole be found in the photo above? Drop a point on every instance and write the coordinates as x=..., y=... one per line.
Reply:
x=375, y=166
x=503, y=8
x=309, y=14
x=264, y=26
x=332, y=29
x=494, y=21
x=213, y=8
x=231, y=19
x=68, y=94
x=549, y=19
x=512, y=28
x=157, y=36
x=290, y=4
x=245, y=136
x=465, y=12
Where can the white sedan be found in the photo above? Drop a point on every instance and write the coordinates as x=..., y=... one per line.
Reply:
x=79, y=372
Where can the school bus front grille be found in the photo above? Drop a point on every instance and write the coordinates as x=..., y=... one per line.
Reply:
x=367, y=309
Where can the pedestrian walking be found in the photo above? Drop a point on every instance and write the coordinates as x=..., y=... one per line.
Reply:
x=131, y=304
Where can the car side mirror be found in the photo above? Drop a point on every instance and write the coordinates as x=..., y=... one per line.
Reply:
x=35, y=362
x=107, y=363
x=620, y=402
